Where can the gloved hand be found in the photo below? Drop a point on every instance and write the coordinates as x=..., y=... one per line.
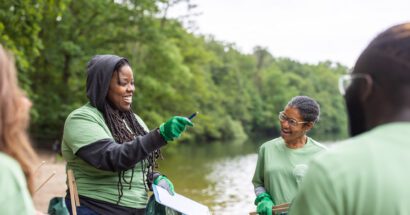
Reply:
x=165, y=183
x=174, y=127
x=264, y=204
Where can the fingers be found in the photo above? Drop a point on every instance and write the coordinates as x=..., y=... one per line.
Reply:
x=184, y=121
x=171, y=187
x=174, y=127
x=179, y=123
x=167, y=185
x=188, y=122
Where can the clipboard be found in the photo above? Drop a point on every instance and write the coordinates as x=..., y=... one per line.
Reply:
x=179, y=202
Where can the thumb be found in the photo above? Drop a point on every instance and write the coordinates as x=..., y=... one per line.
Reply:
x=184, y=121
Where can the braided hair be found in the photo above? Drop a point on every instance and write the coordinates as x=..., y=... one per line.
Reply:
x=125, y=127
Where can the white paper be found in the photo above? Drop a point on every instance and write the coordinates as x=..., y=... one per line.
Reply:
x=179, y=203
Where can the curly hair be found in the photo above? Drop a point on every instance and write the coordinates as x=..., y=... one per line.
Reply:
x=308, y=108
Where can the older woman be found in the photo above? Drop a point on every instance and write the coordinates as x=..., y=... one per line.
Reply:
x=282, y=162
x=16, y=154
x=109, y=148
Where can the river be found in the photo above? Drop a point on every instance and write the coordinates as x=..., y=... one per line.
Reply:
x=217, y=175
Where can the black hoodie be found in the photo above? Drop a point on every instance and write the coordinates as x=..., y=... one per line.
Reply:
x=107, y=154
x=99, y=74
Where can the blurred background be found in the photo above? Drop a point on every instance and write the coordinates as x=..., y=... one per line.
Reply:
x=236, y=62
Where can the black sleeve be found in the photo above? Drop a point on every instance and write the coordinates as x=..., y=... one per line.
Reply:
x=151, y=178
x=106, y=154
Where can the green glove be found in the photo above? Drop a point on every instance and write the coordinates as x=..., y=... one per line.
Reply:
x=264, y=204
x=164, y=182
x=174, y=127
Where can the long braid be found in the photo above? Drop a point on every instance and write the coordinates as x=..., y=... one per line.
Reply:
x=117, y=122
x=152, y=157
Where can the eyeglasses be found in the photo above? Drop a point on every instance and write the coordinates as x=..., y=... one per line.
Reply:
x=291, y=122
x=345, y=81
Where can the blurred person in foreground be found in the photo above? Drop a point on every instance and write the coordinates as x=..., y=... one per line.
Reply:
x=282, y=162
x=16, y=154
x=109, y=148
x=368, y=173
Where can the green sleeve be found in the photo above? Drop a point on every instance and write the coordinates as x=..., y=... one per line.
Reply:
x=141, y=122
x=83, y=128
x=317, y=194
x=14, y=198
x=258, y=177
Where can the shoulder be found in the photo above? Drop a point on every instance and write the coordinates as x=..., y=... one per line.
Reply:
x=86, y=110
x=83, y=126
x=8, y=164
x=14, y=196
x=317, y=144
x=11, y=173
x=343, y=169
x=341, y=156
x=84, y=114
x=274, y=143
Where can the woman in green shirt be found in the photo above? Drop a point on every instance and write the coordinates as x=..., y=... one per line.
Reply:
x=16, y=154
x=109, y=148
x=282, y=162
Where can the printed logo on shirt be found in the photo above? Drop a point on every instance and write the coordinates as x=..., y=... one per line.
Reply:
x=299, y=172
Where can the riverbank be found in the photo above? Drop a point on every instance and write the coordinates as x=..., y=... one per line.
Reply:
x=55, y=186
x=217, y=175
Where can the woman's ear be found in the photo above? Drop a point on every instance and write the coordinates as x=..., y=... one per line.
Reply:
x=309, y=126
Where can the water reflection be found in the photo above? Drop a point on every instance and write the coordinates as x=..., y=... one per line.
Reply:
x=232, y=190
x=217, y=175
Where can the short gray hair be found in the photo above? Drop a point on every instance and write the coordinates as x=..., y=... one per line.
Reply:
x=308, y=108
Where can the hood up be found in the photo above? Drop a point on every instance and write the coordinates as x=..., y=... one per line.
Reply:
x=99, y=73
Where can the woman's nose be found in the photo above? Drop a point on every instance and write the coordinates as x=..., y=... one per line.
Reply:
x=131, y=88
x=284, y=124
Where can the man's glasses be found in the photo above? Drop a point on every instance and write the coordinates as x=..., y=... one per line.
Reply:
x=291, y=122
x=345, y=81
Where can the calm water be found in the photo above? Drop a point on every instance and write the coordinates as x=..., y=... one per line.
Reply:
x=217, y=175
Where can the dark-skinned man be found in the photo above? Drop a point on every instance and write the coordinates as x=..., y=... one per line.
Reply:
x=368, y=173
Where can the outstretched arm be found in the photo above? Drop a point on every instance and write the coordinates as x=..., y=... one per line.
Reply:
x=106, y=154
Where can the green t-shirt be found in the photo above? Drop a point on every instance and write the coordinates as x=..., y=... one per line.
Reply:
x=367, y=174
x=14, y=197
x=280, y=169
x=84, y=126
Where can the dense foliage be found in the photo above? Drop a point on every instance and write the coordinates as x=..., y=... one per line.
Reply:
x=176, y=71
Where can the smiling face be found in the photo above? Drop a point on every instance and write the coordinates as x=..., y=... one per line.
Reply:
x=292, y=133
x=121, y=88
